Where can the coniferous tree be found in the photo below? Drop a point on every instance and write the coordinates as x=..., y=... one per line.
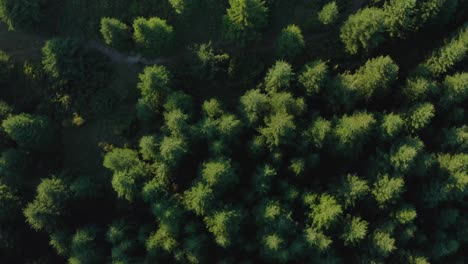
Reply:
x=244, y=20
x=115, y=33
x=153, y=37
x=290, y=42
x=363, y=30
x=31, y=132
x=329, y=13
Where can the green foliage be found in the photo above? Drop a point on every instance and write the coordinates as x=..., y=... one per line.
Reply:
x=279, y=77
x=149, y=147
x=115, y=33
x=20, y=14
x=290, y=42
x=456, y=138
x=199, y=198
x=31, y=132
x=207, y=64
x=455, y=89
x=153, y=37
x=352, y=132
x=383, y=243
x=329, y=13
x=352, y=189
x=354, y=231
x=219, y=174
x=84, y=247
x=449, y=55
x=279, y=130
x=244, y=20
x=403, y=155
x=419, y=116
x=9, y=203
x=388, y=189
x=128, y=171
x=224, y=225
x=372, y=79
x=61, y=59
x=154, y=86
x=363, y=30
x=314, y=77
x=6, y=66
x=61, y=241
x=48, y=205
x=163, y=239
x=254, y=105
x=392, y=125
x=172, y=150
x=318, y=132
x=317, y=240
x=325, y=212
x=406, y=215
x=418, y=88
x=400, y=16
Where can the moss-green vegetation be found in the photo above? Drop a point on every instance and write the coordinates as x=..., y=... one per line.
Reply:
x=233, y=131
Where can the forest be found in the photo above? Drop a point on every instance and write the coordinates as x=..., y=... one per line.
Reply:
x=233, y=131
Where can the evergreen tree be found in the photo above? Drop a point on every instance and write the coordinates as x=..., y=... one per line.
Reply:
x=254, y=105
x=153, y=37
x=244, y=20
x=363, y=30
x=115, y=33
x=6, y=66
x=314, y=77
x=279, y=77
x=20, y=14
x=128, y=172
x=290, y=42
x=224, y=225
x=354, y=231
x=154, y=86
x=84, y=247
x=329, y=13
x=373, y=79
x=49, y=204
x=31, y=132
x=388, y=189
x=352, y=132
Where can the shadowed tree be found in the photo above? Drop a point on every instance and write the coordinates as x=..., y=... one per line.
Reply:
x=49, y=204
x=20, y=14
x=224, y=225
x=244, y=20
x=290, y=42
x=115, y=33
x=364, y=30
x=153, y=37
x=31, y=132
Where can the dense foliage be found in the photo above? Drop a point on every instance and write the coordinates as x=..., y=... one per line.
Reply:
x=233, y=131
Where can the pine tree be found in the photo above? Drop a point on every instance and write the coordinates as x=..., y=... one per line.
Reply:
x=363, y=30
x=244, y=20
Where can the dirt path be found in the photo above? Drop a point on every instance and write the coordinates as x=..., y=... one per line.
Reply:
x=119, y=57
